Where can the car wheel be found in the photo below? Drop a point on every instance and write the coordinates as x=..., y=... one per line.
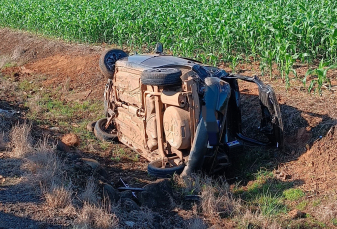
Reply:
x=108, y=59
x=104, y=134
x=161, y=77
x=154, y=169
x=91, y=126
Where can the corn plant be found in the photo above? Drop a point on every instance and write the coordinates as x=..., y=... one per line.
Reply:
x=320, y=76
x=208, y=30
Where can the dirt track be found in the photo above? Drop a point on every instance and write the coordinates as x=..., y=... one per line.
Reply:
x=310, y=155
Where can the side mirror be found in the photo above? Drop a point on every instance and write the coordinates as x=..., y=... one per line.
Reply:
x=159, y=48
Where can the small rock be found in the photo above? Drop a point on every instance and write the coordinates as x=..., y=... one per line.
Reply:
x=295, y=214
x=111, y=193
x=91, y=126
x=126, y=194
x=62, y=147
x=104, y=174
x=71, y=139
x=157, y=194
x=54, y=128
x=129, y=223
x=129, y=205
x=91, y=162
x=287, y=177
x=74, y=157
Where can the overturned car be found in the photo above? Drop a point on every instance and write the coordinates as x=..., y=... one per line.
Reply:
x=179, y=114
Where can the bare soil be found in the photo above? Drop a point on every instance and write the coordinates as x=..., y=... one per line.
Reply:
x=308, y=159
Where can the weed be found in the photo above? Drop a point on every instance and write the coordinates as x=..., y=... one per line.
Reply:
x=91, y=216
x=334, y=221
x=270, y=204
x=196, y=223
x=26, y=85
x=58, y=196
x=216, y=198
x=302, y=205
x=89, y=194
x=211, y=31
x=315, y=203
x=21, y=140
x=45, y=166
x=293, y=194
x=320, y=75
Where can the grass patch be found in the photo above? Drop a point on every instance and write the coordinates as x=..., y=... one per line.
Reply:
x=302, y=205
x=315, y=203
x=120, y=153
x=334, y=221
x=293, y=194
x=270, y=204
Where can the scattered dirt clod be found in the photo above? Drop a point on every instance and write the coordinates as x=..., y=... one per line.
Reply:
x=71, y=139
x=295, y=214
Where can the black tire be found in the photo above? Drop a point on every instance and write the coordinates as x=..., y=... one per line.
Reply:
x=108, y=59
x=154, y=169
x=161, y=77
x=91, y=126
x=101, y=133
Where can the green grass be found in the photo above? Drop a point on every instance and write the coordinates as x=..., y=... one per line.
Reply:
x=213, y=30
x=302, y=205
x=49, y=109
x=119, y=153
x=334, y=221
x=293, y=194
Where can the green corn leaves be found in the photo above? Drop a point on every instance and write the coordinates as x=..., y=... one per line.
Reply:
x=211, y=31
x=319, y=76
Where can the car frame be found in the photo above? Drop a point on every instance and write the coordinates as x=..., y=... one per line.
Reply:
x=178, y=113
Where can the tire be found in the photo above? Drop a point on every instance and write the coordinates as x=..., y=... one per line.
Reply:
x=103, y=135
x=91, y=126
x=108, y=59
x=154, y=169
x=161, y=77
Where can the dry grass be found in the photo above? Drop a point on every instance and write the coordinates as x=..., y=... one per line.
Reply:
x=196, y=223
x=59, y=196
x=4, y=60
x=66, y=85
x=44, y=164
x=89, y=194
x=33, y=104
x=216, y=197
x=92, y=216
x=328, y=212
x=21, y=140
x=257, y=220
x=3, y=144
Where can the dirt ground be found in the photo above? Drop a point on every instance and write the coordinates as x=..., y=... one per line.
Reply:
x=308, y=159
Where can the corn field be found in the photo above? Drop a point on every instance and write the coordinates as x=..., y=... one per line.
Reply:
x=279, y=31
